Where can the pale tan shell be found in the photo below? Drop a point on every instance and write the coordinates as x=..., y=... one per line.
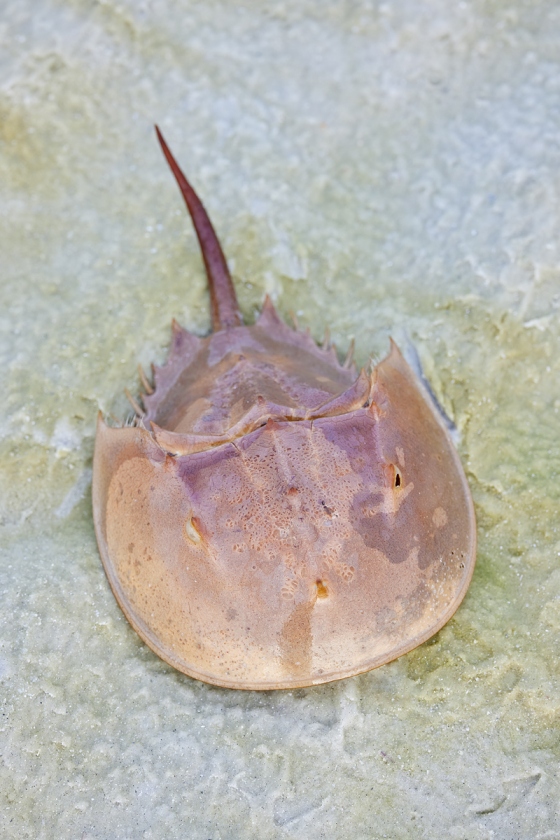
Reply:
x=275, y=520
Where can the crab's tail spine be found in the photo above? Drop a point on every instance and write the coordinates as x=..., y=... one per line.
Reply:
x=225, y=308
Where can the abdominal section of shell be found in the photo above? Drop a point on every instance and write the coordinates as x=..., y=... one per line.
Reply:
x=274, y=519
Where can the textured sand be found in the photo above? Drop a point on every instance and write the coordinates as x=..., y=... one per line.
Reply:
x=381, y=168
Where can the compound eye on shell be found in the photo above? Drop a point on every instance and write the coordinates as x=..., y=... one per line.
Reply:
x=393, y=476
x=192, y=532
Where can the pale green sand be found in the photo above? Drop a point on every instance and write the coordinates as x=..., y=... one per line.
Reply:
x=386, y=169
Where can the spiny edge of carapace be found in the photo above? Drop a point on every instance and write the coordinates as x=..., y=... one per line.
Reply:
x=359, y=395
x=185, y=346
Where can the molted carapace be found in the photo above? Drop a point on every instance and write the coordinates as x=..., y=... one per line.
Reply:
x=272, y=519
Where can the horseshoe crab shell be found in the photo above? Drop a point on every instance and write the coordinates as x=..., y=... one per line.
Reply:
x=272, y=519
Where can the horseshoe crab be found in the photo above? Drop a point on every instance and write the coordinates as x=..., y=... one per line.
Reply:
x=272, y=518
